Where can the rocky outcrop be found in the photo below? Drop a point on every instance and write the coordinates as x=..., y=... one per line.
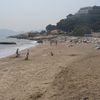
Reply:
x=7, y=43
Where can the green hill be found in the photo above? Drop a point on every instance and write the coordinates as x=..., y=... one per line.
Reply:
x=87, y=19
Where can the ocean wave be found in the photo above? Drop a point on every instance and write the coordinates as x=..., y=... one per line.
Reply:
x=7, y=50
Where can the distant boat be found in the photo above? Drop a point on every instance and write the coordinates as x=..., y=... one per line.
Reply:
x=8, y=43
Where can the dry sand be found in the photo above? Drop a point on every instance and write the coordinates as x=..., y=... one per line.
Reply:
x=72, y=73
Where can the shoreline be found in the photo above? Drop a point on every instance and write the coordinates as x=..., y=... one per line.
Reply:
x=9, y=52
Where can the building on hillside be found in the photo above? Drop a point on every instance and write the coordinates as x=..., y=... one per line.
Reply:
x=96, y=34
x=84, y=10
x=87, y=10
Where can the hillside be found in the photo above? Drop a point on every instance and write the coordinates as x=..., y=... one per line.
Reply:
x=87, y=19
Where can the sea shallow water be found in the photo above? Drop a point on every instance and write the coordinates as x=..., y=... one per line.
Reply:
x=7, y=50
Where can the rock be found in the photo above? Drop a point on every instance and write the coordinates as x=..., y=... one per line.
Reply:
x=39, y=41
x=7, y=43
x=98, y=47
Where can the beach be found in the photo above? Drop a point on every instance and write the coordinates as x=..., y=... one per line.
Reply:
x=71, y=73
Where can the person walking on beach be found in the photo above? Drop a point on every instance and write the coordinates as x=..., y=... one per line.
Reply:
x=56, y=42
x=17, y=52
x=27, y=55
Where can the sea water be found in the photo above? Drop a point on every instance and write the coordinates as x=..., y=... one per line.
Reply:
x=7, y=50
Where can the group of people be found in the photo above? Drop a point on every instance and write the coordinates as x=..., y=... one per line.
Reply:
x=18, y=54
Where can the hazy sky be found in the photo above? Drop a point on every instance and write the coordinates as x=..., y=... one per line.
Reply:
x=27, y=15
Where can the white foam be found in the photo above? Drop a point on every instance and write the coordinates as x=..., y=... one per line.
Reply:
x=11, y=50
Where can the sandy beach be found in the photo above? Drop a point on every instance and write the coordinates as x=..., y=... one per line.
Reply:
x=72, y=73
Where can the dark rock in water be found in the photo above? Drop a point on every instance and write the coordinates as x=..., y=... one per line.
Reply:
x=8, y=43
x=39, y=41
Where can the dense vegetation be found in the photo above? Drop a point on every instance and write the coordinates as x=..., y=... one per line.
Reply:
x=80, y=23
x=50, y=27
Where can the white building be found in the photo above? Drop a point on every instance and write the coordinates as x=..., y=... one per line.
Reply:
x=84, y=10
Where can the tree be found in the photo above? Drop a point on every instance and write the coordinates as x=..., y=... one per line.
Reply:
x=81, y=31
x=50, y=27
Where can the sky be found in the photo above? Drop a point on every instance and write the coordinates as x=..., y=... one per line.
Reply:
x=34, y=15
